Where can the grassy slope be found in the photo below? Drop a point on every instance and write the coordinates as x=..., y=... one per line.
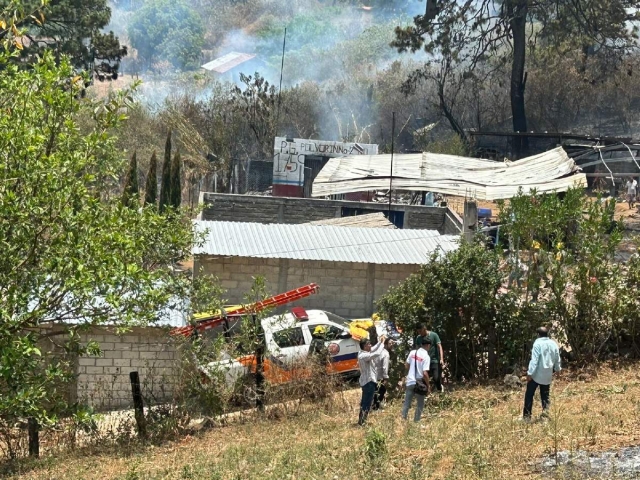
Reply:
x=470, y=433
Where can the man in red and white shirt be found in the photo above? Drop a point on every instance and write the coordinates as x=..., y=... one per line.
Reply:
x=417, y=364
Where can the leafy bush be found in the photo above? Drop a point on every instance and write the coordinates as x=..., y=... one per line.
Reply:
x=458, y=296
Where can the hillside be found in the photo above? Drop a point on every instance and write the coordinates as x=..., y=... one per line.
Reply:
x=471, y=432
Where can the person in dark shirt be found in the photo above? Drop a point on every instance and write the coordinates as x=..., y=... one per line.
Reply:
x=435, y=354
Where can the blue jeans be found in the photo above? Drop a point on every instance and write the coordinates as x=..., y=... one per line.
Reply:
x=408, y=397
x=368, y=392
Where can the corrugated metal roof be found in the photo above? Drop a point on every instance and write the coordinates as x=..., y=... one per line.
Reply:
x=322, y=242
x=449, y=174
x=369, y=220
x=227, y=62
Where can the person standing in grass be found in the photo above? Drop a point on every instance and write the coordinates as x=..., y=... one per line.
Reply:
x=382, y=372
x=435, y=354
x=545, y=360
x=417, y=366
x=368, y=375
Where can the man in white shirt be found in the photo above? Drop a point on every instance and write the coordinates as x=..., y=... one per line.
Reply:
x=632, y=187
x=417, y=364
x=545, y=360
x=382, y=372
x=368, y=374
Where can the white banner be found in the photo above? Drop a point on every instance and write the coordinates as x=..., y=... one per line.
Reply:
x=288, y=158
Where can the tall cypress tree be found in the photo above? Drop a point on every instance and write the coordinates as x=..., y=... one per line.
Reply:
x=176, y=181
x=165, y=186
x=151, y=187
x=130, y=190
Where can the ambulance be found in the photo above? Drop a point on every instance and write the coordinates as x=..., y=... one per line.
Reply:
x=288, y=338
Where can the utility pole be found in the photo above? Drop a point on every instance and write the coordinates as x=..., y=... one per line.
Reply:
x=393, y=136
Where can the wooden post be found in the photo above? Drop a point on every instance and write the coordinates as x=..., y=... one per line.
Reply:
x=259, y=364
x=34, y=438
x=138, y=404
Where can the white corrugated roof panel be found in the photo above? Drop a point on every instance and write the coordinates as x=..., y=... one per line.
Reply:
x=227, y=62
x=322, y=242
x=449, y=174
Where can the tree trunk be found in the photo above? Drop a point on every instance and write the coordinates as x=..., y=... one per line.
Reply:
x=517, y=11
x=453, y=122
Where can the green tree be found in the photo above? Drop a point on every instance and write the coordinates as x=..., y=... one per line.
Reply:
x=73, y=255
x=167, y=30
x=459, y=296
x=176, y=181
x=130, y=190
x=461, y=36
x=70, y=27
x=567, y=246
x=151, y=187
x=165, y=181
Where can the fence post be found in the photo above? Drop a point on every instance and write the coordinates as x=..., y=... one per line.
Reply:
x=34, y=438
x=259, y=364
x=138, y=405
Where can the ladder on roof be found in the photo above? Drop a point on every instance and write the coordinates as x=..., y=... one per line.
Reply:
x=271, y=302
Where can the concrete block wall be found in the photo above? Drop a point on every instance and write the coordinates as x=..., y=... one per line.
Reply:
x=347, y=289
x=247, y=208
x=452, y=223
x=104, y=382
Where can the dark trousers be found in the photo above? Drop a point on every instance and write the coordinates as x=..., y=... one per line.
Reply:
x=378, y=398
x=435, y=374
x=532, y=386
x=368, y=391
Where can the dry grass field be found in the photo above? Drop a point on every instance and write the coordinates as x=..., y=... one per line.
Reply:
x=471, y=432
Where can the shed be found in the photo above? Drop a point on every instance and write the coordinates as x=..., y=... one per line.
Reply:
x=353, y=266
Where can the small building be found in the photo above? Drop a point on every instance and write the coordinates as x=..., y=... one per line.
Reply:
x=353, y=266
x=229, y=66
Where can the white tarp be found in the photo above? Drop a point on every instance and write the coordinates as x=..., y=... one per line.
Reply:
x=450, y=174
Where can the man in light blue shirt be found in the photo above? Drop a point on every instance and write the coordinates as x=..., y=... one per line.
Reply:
x=545, y=360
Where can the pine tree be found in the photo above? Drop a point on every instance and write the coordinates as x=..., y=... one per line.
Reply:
x=130, y=190
x=151, y=187
x=165, y=186
x=176, y=181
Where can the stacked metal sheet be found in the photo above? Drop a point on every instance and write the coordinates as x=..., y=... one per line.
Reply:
x=450, y=174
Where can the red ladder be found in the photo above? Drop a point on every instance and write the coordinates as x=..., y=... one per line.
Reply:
x=271, y=302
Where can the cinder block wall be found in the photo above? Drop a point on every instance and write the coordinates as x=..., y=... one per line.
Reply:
x=347, y=289
x=104, y=381
x=248, y=208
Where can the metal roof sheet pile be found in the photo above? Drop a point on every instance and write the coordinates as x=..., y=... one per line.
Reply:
x=450, y=174
x=227, y=62
x=369, y=220
x=322, y=242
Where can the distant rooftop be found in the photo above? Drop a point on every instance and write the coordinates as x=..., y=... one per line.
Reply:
x=227, y=62
x=370, y=220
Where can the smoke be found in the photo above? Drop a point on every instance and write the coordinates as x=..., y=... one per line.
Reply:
x=340, y=48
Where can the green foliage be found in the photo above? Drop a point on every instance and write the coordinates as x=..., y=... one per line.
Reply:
x=165, y=181
x=454, y=145
x=375, y=446
x=151, y=186
x=167, y=30
x=176, y=181
x=73, y=255
x=131, y=190
x=567, y=246
x=458, y=296
x=74, y=28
